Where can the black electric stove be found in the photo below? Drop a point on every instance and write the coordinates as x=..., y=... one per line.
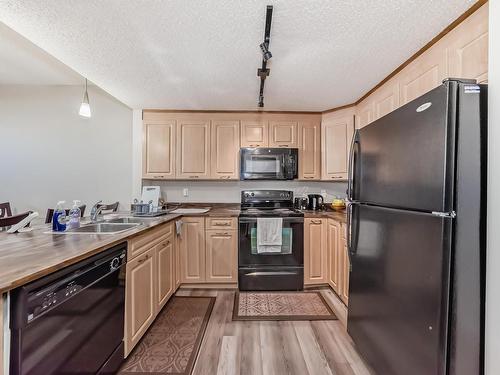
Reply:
x=283, y=270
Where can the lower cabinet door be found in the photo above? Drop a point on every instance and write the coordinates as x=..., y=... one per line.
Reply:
x=222, y=256
x=333, y=244
x=164, y=252
x=192, y=250
x=315, y=252
x=140, y=304
x=345, y=271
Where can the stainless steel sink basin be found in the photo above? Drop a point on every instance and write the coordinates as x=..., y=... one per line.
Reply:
x=108, y=228
x=127, y=220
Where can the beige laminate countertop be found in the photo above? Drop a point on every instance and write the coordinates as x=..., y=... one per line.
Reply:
x=25, y=257
x=329, y=214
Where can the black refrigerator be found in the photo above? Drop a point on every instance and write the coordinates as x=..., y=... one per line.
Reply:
x=416, y=234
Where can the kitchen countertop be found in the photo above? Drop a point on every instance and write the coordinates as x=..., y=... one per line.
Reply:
x=25, y=257
x=216, y=209
x=329, y=213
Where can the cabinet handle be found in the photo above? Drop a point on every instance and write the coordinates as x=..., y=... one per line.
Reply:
x=253, y=145
x=193, y=176
x=158, y=176
x=222, y=224
x=308, y=177
x=316, y=221
x=143, y=259
x=336, y=177
x=282, y=145
x=221, y=233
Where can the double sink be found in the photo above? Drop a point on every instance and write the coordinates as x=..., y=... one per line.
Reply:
x=111, y=226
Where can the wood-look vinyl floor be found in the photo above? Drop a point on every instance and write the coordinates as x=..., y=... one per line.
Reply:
x=274, y=347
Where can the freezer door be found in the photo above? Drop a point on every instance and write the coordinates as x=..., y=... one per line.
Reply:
x=398, y=289
x=405, y=159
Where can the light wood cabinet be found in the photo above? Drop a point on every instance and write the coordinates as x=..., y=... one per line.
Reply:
x=177, y=263
x=467, y=48
x=283, y=134
x=345, y=271
x=423, y=74
x=159, y=150
x=164, y=259
x=225, y=150
x=333, y=245
x=386, y=99
x=309, y=138
x=222, y=256
x=364, y=113
x=193, y=149
x=140, y=306
x=336, y=135
x=254, y=134
x=192, y=250
x=315, y=251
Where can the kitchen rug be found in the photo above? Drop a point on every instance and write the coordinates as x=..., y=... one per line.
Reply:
x=281, y=306
x=171, y=344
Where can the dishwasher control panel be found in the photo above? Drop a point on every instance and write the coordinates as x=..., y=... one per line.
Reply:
x=51, y=295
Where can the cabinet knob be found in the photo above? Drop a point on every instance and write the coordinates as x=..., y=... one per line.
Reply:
x=316, y=221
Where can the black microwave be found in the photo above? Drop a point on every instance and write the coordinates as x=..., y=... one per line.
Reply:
x=269, y=163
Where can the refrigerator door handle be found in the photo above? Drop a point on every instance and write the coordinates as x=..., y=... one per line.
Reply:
x=349, y=227
x=350, y=169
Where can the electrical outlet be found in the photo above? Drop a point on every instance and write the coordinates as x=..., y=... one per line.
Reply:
x=185, y=192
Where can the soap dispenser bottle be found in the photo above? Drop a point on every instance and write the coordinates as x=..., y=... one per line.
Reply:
x=59, y=218
x=74, y=215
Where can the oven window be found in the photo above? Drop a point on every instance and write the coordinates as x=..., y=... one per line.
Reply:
x=286, y=245
x=263, y=164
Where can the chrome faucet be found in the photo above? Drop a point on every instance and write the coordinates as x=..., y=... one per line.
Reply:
x=95, y=211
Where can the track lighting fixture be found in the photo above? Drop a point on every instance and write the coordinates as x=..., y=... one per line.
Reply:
x=263, y=72
x=85, y=106
x=266, y=54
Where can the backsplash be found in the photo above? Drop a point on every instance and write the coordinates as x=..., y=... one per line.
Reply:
x=229, y=191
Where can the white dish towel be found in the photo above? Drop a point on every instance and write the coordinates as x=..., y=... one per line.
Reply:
x=269, y=234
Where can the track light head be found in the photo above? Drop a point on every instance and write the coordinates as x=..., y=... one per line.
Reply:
x=266, y=54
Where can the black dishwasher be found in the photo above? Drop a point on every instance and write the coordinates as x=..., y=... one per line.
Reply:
x=72, y=321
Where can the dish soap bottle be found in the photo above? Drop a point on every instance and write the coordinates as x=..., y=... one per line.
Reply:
x=74, y=215
x=59, y=218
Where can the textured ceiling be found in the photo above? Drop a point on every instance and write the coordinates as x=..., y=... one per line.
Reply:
x=186, y=54
x=23, y=63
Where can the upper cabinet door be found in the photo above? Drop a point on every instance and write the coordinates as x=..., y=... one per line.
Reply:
x=336, y=135
x=193, y=149
x=309, y=151
x=254, y=134
x=364, y=113
x=283, y=134
x=159, y=150
x=468, y=47
x=423, y=74
x=225, y=150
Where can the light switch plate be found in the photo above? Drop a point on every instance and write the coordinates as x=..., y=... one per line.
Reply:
x=185, y=192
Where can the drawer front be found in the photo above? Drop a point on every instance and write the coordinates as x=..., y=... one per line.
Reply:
x=224, y=223
x=140, y=244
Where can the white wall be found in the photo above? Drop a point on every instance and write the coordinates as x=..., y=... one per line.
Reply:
x=49, y=153
x=229, y=191
x=493, y=259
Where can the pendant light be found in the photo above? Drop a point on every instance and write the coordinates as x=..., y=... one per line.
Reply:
x=85, y=106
